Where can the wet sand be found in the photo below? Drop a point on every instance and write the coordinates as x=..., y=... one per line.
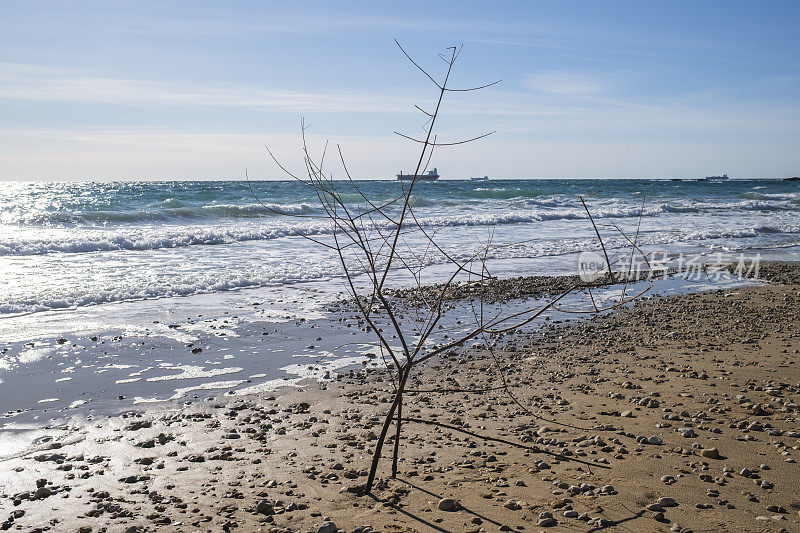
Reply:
x=685, y=406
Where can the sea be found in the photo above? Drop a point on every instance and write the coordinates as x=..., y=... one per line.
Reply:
x=114, y=294
x=72, y=245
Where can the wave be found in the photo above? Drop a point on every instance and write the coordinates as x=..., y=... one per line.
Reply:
x=792, y=197
x=148, y=291
x=206, y=208
x=143, y=280
x=228, y=210
x=155, y=237
x=169, y=214
x=141, y=238
x=741, y=233
x=194, y=271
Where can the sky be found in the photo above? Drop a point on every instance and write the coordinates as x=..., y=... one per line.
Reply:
x=197, y=89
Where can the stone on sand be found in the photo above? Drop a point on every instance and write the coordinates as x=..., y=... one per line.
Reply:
x=328, y=527
x=448, y=504
x=710, y=453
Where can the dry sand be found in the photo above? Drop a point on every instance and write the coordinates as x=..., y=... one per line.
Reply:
x=691, y=398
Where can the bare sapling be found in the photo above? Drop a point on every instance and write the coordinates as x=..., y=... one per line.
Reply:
x=381, y=244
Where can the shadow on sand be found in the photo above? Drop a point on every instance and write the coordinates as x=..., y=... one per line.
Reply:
x=561, y=526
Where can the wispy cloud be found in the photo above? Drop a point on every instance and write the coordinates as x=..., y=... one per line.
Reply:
x=557, y=102
x=565, y=83
x=39, y=83
x=271, y=21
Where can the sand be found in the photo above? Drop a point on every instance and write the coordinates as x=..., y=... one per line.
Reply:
x=686, y=408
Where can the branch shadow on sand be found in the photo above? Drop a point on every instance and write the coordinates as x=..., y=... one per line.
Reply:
x=439, y=496
x=596, y=528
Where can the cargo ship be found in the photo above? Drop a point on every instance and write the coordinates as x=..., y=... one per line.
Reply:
x=431, y=175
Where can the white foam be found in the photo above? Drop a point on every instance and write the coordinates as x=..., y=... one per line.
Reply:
x=180, y=393
x=195, y=372
x=111, y=366
x=317, y=372
x=139, y=400
x=31, y=355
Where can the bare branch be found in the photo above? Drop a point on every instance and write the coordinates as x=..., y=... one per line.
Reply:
x=416, y=65
x=445, y=144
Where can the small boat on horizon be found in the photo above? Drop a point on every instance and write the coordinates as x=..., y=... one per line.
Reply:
x=485, y=178
x=431, y=175
x=724, y=177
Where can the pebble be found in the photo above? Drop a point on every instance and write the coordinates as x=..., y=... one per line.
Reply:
x=264, y=507
x=547, y=522
x=666, y=501
x=510, y=504
x=328, y=527
x=448, y=504
x=710, y=453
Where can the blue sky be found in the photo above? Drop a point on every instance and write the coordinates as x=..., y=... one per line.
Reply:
x=125, y=90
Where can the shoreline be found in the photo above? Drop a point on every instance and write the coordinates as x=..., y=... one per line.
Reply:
x=101, y=362
x=202, y=467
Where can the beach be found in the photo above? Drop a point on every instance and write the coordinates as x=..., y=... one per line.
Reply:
x=363, y=267
x=682, y=411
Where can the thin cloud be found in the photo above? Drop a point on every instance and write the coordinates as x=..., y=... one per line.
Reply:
x=557, y=102
x=565, y=84
x=281, y=23
x=37, y=83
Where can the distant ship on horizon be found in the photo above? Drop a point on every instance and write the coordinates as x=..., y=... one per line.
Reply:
x=485, y=178
x=717, y=178
x=431, y=175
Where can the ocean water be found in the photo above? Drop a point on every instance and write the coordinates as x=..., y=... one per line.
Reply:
x=72, y=245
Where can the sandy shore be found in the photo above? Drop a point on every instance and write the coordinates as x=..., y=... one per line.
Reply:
x=686, y=408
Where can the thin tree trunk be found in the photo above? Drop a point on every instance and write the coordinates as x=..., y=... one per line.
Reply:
x=376, y=455
x=397, y=434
